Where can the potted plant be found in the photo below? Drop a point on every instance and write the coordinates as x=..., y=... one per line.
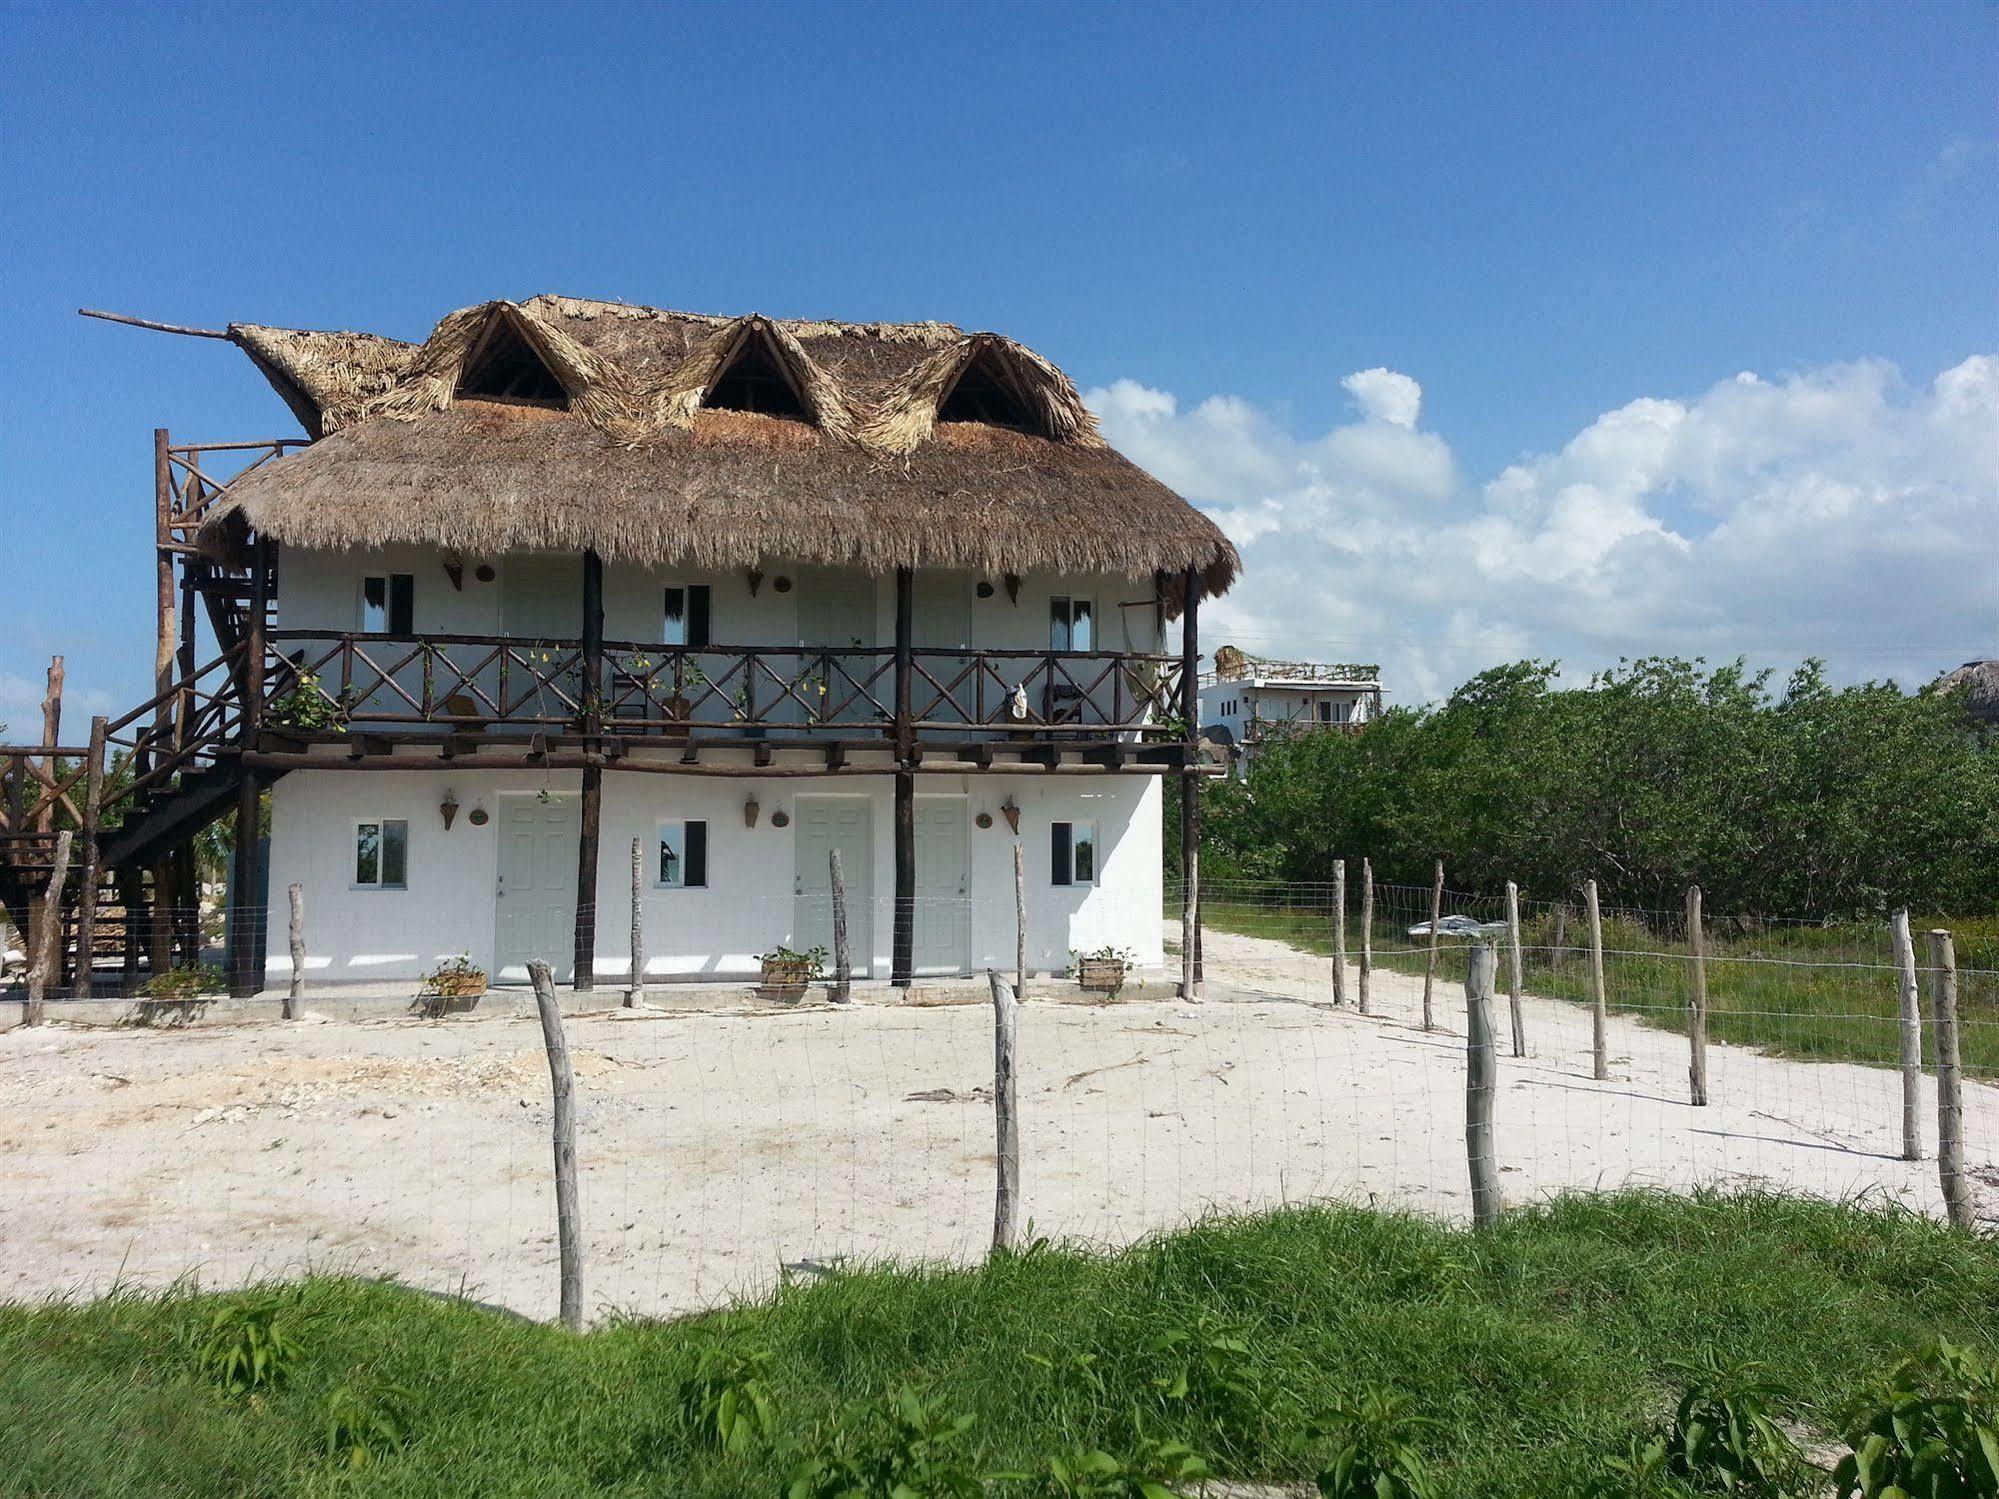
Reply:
x=307, y=707
x=1103, y=971
x=452, y=987
x=787, y=974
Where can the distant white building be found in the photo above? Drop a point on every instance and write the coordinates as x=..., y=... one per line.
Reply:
x=1247, y=701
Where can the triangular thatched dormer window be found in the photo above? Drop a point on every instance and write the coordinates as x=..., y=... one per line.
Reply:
x=985, y=392
x=752, y=377
x=503, y=366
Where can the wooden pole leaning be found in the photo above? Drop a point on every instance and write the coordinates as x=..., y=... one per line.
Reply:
x=1950, y=1080
x=88, y=875
x=562, y=1083
x=1006, y=1190
x=1019, y=921
x=42, y=962
x=1339, y=931
x=1190, y=786
x=1599, y=1004
x=1910, y=1018
x=843, y=964
x=1481, y=1083
x=295, y=991
x=1366, y=936
x=1696, y=1001
x=1430, y=961
x=1514, y=984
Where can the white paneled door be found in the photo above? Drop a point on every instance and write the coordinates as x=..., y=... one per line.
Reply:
x=942, y=937
x=536, y=885
x=823, y=824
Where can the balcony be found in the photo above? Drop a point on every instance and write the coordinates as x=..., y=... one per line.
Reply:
x=494, y=686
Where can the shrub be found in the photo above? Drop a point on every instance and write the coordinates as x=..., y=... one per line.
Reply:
x=249, y=1346
x=1932, y=1431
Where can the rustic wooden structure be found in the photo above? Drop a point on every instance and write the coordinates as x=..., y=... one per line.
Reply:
x=619, y=410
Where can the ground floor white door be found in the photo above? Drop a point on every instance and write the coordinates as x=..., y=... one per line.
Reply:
x=824, y=823
x=536, y=887
x=942, y=937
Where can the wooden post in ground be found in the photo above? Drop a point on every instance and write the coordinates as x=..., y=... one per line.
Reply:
x=1006, y=1192
x=1696, y=1000
x=295, y=990
x=635, y=990
x=902, y=943
x=1514, y=984
x=1339, y=931
x=1911, y=1018
x=1481, y=1083
x=166, y=629
x=42, y=961
x=160, y=919
x=843, y=962
x=1599, y=1007
x=1430, y=962
x=87, y=878
x=1950, y=1098
x=1366, y=936
x=131, y=896
x=562, y=1082
x=1190, y=785
x=1019, y=921
x=51, y=736
x=590, y=807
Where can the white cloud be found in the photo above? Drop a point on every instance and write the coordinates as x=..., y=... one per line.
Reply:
x=1839, y=512
x=1385, y=396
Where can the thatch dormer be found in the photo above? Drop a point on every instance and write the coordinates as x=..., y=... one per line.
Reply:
x=653, y=436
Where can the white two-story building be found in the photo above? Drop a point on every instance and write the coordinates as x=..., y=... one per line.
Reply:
x=1247, y=702
x=573, y=576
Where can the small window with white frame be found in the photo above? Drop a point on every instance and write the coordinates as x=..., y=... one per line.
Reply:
x=388, y=604
x=1072, y=850
x=1072, y=624
x=684, y=619
x=381, y=854
x=682, y=860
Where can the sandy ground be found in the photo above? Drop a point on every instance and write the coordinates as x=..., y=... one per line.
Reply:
x=721, y=1150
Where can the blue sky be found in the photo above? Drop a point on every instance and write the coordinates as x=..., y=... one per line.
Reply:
x=1541, y=215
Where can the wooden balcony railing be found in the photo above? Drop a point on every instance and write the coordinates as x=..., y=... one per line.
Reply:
x=481, y=682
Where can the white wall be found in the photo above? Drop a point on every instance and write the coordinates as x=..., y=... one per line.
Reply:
x=449, y=906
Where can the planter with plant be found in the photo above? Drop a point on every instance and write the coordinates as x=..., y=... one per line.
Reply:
x=1103, y=971
x=787, y=974
x=452, y=987
x=306, y=707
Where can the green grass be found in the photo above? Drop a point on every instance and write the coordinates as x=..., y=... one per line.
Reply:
x=1828, y=994
x=1540, y=1348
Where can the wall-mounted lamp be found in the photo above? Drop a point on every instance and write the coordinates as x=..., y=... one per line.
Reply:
x=1011, y=812
x=750, y=810
x=755, y=578
x=1012, y=581
x=448, y=809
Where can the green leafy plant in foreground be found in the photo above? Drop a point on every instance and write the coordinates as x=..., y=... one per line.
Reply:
x=1155, y=1470
x=249, y=1346
x=1373, y=1450
x=364, y=1423
x=184, y=983
x=725, y=1404
x=900, y=1448
x=1931, y=1433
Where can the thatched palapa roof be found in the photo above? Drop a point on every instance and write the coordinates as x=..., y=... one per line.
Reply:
x=668, y=437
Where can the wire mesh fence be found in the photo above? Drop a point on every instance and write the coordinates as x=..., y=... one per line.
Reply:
x=727, y=1141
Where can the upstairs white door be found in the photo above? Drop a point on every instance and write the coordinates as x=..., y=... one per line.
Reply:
x=943, y=927
x=824, y=823
x=536, y=887
x=541, y=598
x=836, y=611
x=941, y=620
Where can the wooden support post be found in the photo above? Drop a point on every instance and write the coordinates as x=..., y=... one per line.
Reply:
x=1481, y=1083
x=87, y=878
x=1367, y=936
x=1911, y=1014
x=184, y=904
x=42, y=961
x=1190, y=786
x=1950, y=1099
x=1514, y=984
x=902, y=950
x=562, y=1083
x=1339, y=931
x=636, y=988
x=131, y=895
x=1019, y=921
x=1599, y=1005
x=843, y=958
x=165, y=638
x=244, y=896
x=1696, y=1000
x=1430, y=961
x=160, y=920
x=295, y=990
x=591, y=804
x=1006, y=1193
x=51, y=736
